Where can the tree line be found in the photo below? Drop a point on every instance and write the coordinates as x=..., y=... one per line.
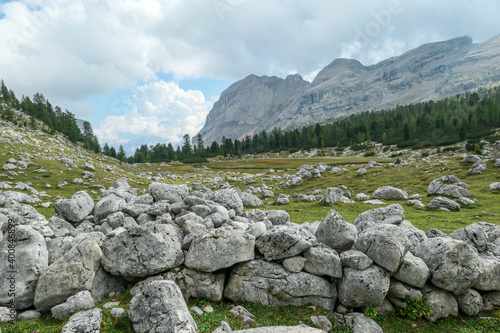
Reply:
x=39, y=108
x=427, y=124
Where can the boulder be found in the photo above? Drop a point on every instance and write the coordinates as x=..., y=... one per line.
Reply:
x=450, y=186
x=283, y=242
x=167, y=192
x=489, y=274
x=295, y=264
x=495, y=152
x=104, y=284
x=495, y=186
x=57, y=247
x=442, y=303
x=195, y=284
x=332, y=195
x=412, y=271
x=76, y=208
x=80, y=301
x=322, y=260
x=283, y=199
x=472, y=159
x=271, y=284
x=30, y=259
x=143, y=250
x=442, y=202
x=361, y=172
x=88, y=166
x=220, y=248
x=355, y=259
x=390, y=193
x=249, y=199
x=385, y=244
x=159, y=308
x=475, y=235
x=73, y=272
x=336, y=232
x=87, y=321
x=403, y=291
x=453, y=263
x=491, y=300
x=415, y=236
x=278, y=217
x=362, y=197
x=392, y=214
x=363, y=288
x=228, y=198
x=477, y=168
x=470, y=302
x=107, y=206
x=361, y=323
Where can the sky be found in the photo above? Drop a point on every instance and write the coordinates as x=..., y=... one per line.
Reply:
x=147, y=71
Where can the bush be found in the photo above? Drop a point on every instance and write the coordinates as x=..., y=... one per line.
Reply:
x=425, y=154
x=372, y=153
x=450, y=149
x=371, y=312
x=415, y=309
x=358, y=147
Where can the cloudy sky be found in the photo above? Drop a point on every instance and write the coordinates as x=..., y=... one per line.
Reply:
x=143, y=71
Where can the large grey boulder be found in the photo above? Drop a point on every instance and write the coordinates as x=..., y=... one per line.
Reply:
x=491, y=300
x=75, y=208
x=475, y=234
x=453, y=263
x=361, y=323
x=333, y=195
x=30, y=259
x=107, y=206
x=220, y=248
x=363, y=288
x=449, y=186
x=283, y=242
x=170, y=193
x=489, y=274
x=87, y=321
x=143, y=251
x=390, y=193
x=228, y=198
x=385, y=244
x=73, y=272
x=250, y=199
x=477, y=168
x=355, y=259
x=271, y=284
x=80, y=301
x=277, y=217
x=495, y=186
x=202, y=285
x=392, y=214
x=57, y=247
x=472, y=159
x=443, y=202
x=412, y=271
x=495, y=152
x=160, y=308
x=322, y=260
x=336, y=232
x=470, y=302
x=415, y=236
x=402, y=291
x=442, y=303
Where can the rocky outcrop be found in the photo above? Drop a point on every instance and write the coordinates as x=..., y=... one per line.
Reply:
x=430, y=72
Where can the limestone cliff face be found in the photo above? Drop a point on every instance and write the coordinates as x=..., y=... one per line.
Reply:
x=429, y=72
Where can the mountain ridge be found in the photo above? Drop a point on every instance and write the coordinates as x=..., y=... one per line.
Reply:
x=345, y=86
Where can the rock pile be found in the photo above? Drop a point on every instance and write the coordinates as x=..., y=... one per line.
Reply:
x=87, y=252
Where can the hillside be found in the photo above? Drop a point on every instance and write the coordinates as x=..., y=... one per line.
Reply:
x=430, y=72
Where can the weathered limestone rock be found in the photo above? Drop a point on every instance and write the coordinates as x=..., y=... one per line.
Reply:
x=392, y=214
x=87, y=321
x=143, y=251
x=270, y=284
x=355, y=259
x=361, y=323
x=170, y=193
x=470, y=302
x=73, y=272
x=220, y=248
x=413, y=271
x=363, y=288
x=322, y=260
x=80, y=301
x=442, y=202
x=76, y=208
x=228, y=198
x=442, y=303
x=160, y=308
x=332, y=195
x=390, y=193
x=30, y=257
x=453, y=263
x=336, y=232
x=385, y=244
x=284, y=242
x=449, y=186
x=107, y=206
x=203, y=285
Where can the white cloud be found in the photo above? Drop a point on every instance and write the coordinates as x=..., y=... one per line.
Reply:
x=157, y=109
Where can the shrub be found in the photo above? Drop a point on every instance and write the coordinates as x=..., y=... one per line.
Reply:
x=195, y=159
x=370, y=311
x=415, y=309
x=372, y=153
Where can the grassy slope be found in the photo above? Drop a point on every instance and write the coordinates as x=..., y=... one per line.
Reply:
x=408, y=177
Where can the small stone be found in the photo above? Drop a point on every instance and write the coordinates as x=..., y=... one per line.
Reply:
x=117, y=312
x=208, y=309
x=197, y=311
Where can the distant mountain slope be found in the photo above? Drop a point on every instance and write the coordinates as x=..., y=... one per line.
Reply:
x=430, y=72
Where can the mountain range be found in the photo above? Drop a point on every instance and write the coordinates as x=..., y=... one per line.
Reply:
x=429, y=72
